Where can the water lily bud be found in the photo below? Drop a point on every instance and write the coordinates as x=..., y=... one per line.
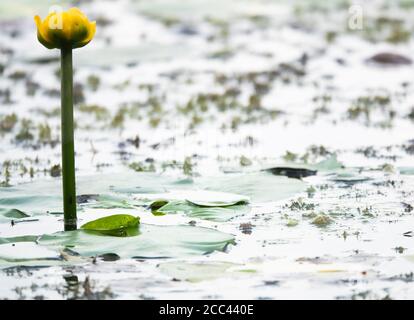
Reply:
x=70, y=29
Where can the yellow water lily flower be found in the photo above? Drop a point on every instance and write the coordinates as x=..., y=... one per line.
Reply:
x=69, y=29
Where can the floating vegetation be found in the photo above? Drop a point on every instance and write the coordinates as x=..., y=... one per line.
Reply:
x=322, y=220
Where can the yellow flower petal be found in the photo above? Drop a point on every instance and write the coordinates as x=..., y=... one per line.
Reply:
x=65, y=29
x=41, y=34
x=91, y=34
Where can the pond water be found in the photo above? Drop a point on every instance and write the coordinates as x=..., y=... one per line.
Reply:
x=279, y=140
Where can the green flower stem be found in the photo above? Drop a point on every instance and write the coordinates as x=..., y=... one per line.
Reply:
x=68, y=145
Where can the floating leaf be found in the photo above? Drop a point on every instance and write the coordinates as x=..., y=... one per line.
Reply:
x=157, y=204
x=26, y=251
x=33, y=203
x=19, y=239
x=6, y=215
x=329, y=164
x=219, y=214
x=106, y=201
x=45, y=196
x=203, y=204
x=15, y=214
x=117, y=224
x=152, y=242
x=292, y=172
x=259, y=187
x=202, y=198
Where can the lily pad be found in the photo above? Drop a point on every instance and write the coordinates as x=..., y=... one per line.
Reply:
x=7, y=215
x=203, y=204
x=329, y=164
x=151, y=242
x=259, y=187
x=33, y=203
x=18, y=239
x=26, y=251
x=215, y=199
x=218, y=214
x=113, y=222
x=298, y=170
x=104, y=191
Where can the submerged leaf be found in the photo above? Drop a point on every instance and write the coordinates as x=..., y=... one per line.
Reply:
x=215, y=199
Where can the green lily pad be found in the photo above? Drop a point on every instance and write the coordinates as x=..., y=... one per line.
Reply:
x=202, y=198
x=259, y=187
x=104, y=191
x=6, y=215
x=19, y=239
x=203, y=204
x=215, y=199
x=151, y=242
x=106, y=201
x=113, y=222
x=218, y=214
x=26, y=251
